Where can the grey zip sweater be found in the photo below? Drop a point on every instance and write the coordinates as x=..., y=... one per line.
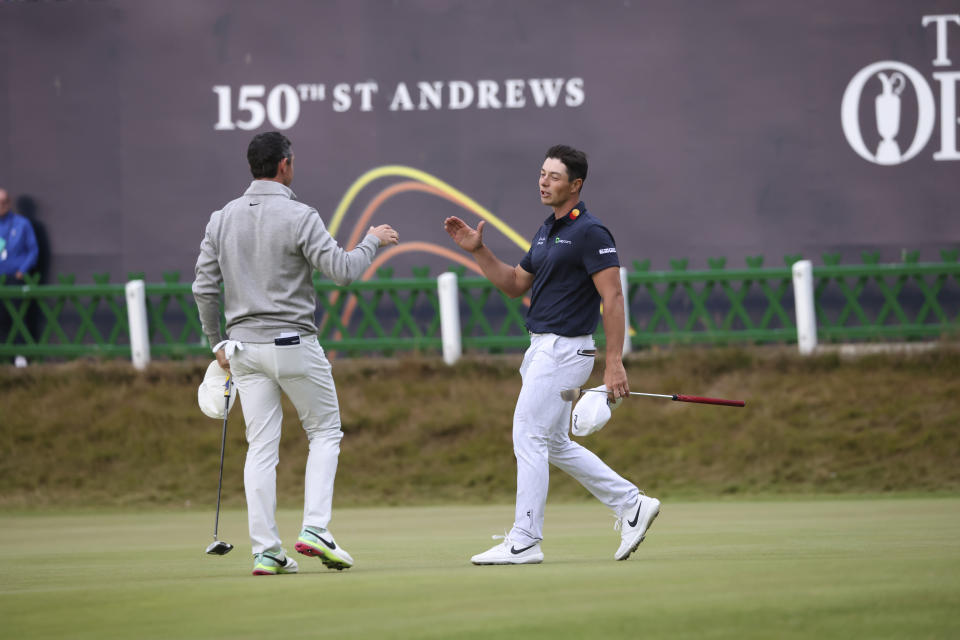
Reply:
x=264, y=247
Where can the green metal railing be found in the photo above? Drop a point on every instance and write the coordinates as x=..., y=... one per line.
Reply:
x=913, y=300
x=69, y=320
x=870, y=301
x=389, y=314
x=385, y=314
x=716, y=305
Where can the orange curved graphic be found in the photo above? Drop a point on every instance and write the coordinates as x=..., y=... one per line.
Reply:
x=424, y=177
x=376, y=203
x=386, y=194
x=427, y=247
x=423, y=183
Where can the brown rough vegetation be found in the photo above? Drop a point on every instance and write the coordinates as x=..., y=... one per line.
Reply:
x=99, y=434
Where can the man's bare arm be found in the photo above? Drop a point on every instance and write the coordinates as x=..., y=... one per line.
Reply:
x=607, y=282
x=513, y=281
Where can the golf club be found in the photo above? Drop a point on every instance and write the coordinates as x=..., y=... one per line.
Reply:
x=570, y=395
x=219, y=547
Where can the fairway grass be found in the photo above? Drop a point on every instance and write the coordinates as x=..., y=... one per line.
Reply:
x=843, y=568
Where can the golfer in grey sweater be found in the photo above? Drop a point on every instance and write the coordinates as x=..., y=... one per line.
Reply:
x=264, y=247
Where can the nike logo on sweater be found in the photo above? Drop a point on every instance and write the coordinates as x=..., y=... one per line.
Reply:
x=515, y=551
x=636, y=518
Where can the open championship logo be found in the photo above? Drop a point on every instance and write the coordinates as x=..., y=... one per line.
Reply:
x=888, y=79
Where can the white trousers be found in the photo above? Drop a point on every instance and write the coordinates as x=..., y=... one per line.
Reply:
x=262, y=372
x=541, y=434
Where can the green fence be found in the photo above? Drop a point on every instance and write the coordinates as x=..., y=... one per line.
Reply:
x=909, y=300
x=870, y=301
x=388, y=314
x=877, y=301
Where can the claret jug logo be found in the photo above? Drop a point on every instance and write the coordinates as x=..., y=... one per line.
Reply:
x=883, y=135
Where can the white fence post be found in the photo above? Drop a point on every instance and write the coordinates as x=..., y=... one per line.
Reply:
x=804, y=305
x=137, y=319
x=627, y=347
x=447, y=292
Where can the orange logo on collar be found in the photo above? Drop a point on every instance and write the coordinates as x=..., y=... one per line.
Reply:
x=575, y=214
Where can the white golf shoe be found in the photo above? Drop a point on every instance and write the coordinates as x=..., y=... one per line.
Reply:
x=508, y=552
x=271, y=564
x=319, y=543
x=633, y=525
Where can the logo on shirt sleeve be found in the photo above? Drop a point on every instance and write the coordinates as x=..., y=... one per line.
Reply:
x=608, y=250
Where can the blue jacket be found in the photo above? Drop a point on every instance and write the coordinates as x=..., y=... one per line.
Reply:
x=18, y=245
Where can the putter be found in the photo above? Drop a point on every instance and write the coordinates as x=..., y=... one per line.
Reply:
x=219, y=547
x=569, y=395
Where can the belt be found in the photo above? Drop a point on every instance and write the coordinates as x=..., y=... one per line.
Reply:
x=287, y=339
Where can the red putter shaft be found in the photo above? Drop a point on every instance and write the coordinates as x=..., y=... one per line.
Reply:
x=571, y=395
x=728, y=403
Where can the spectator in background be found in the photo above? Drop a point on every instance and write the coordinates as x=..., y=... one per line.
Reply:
x=18, y=255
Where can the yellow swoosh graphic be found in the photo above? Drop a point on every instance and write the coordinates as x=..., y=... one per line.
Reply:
x=426, y=178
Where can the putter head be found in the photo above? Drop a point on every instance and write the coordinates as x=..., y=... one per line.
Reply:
x=219, y=548
x=570, y=395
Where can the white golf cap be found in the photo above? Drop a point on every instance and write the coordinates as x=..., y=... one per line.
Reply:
x=210, y=392
x=592, y=412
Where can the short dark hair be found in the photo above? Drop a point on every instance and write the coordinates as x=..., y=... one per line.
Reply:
x=265, y=152
x=573, y=159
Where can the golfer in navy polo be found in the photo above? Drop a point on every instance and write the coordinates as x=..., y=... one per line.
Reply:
x=572, y=267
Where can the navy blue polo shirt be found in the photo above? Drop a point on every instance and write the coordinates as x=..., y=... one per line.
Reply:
x=563, y=256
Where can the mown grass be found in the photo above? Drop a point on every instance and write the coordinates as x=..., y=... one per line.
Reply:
x=836, y=569
x=419, y=432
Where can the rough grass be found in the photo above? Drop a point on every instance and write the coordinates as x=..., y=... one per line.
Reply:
x=419, y=432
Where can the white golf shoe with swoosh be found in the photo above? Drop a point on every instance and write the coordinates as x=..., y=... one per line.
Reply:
x=319, y=543
x=509, y=552
x=633, y=525
x=271, y=564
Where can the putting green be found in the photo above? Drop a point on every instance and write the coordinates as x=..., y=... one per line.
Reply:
x=839, y=568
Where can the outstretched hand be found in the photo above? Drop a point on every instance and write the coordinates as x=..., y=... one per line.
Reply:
x=385, y=234
x=467, y=238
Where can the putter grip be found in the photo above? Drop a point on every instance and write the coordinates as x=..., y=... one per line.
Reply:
x=728, y=403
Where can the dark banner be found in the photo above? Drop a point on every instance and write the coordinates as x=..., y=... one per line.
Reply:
x=729, y=129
